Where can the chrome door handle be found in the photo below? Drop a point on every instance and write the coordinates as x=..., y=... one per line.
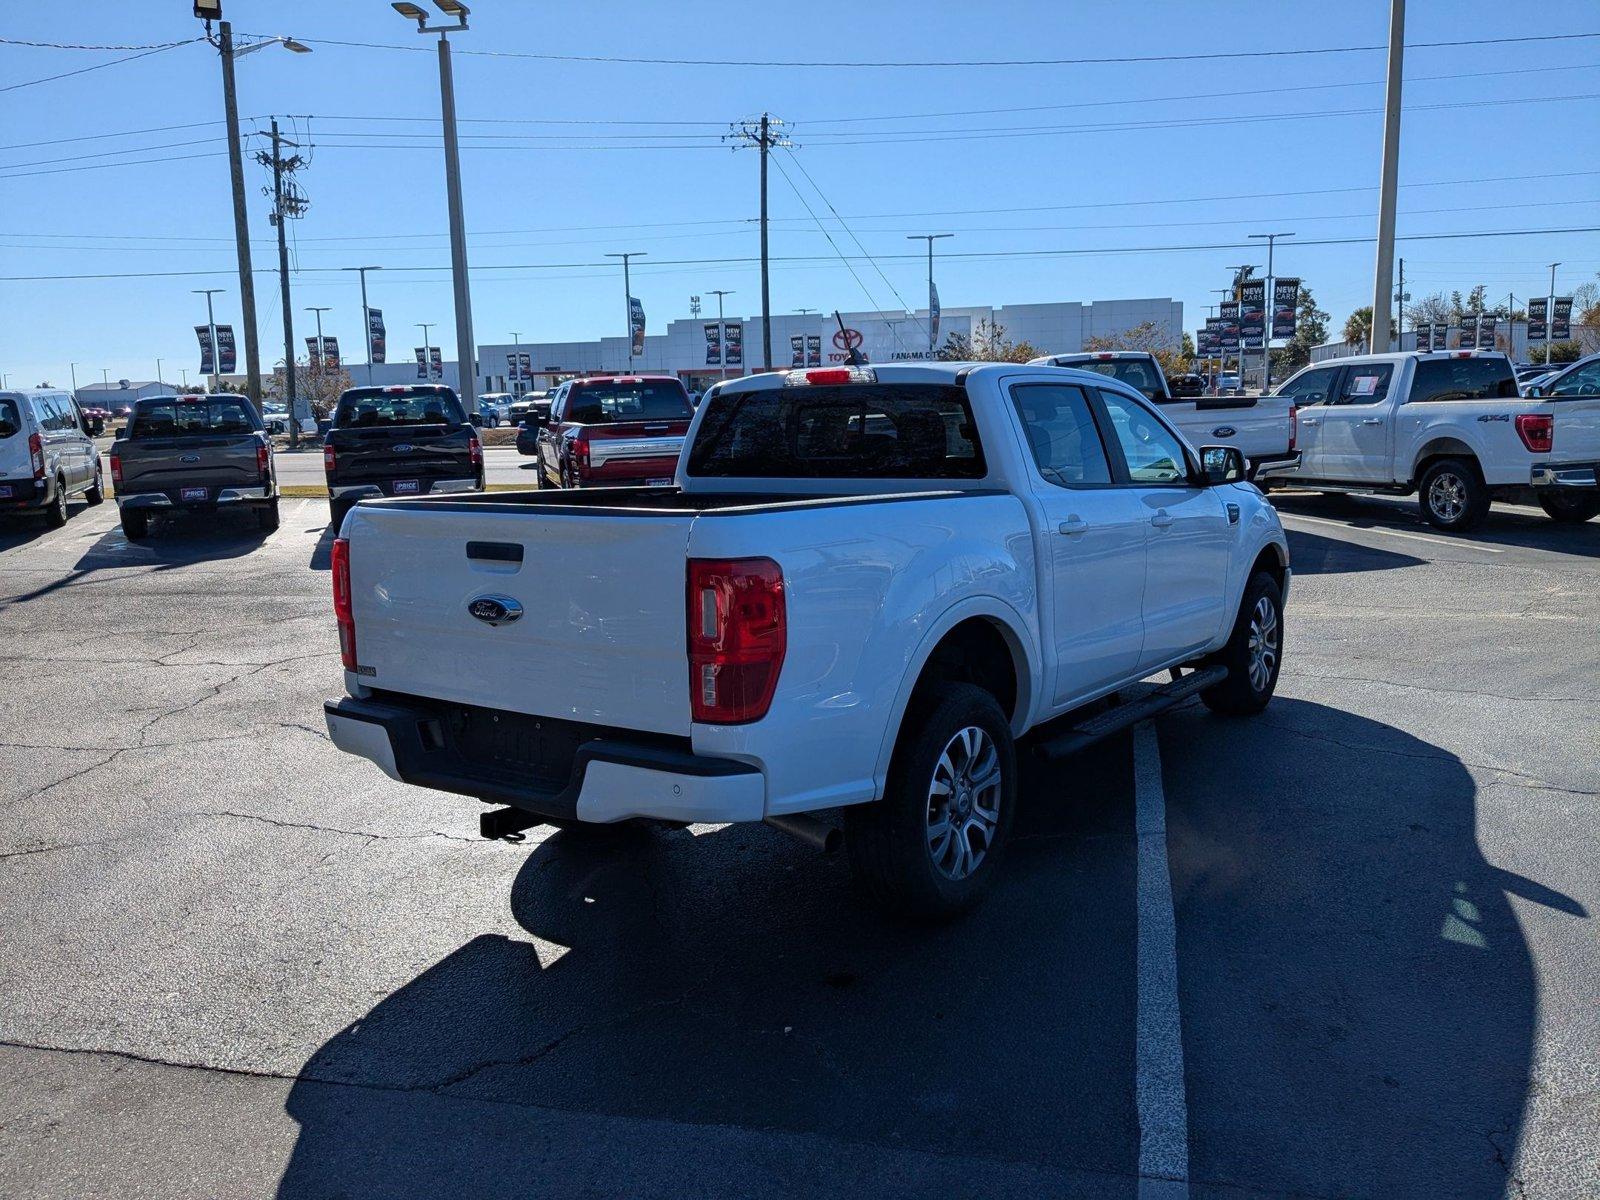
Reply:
x=1308, y=420
x=1073, y=526
x=1373, y=421
x=1162, y=519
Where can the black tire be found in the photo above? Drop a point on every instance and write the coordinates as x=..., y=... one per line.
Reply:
x=540, y=481
x=55, y=515
x=267, y=518
x=894, y=851
x=97, y=493
x=1452, y=495
x=337, y=509
x=135, y=524
x=1570, y=508
x=1251, y=681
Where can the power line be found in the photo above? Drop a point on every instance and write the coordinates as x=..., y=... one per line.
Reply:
x=5, y=41
x=11, y=87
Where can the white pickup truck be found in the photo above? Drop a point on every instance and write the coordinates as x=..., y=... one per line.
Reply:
x=1449, y=426
x=1262, y=427
x=864, y=584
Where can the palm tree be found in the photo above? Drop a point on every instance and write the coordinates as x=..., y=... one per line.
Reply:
x=1358, y=327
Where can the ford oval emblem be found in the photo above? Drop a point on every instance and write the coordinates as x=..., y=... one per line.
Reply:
x=495, y=610
x=404, y=448
x=1224, y=431
x=190, y=458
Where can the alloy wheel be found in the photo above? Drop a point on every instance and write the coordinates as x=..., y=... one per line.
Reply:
x=1263, y=643
x=964, y=803
x=1447, y=496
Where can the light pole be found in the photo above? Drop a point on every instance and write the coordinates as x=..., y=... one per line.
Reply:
x=466, y=349
x=1550, y=313
x=158, y=371
x=105, y=378
x=933, y=296
x=241, y=224
x=316, y=363
x=427, y=350
x=516, y=362
x=211, y=326
x=627, y=289
x=366, y=316
x=1266, y=332
x=1383, y=272
x=73, y=367
x=722, y=334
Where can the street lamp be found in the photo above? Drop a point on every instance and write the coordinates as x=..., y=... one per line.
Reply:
x=722, y=334
x=1266, y=332
x=933, y=296
x=427, y=350
x=316, y=363
x=241, y=225
x=466, y=349
x=516, y=363
x=211, y=327
x=366, y=315
x=627, y=292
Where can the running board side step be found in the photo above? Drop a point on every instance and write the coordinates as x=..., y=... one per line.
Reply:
x=1129, y=714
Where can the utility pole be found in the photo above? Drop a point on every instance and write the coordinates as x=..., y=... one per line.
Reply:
x=722, y=339
x=211, y=327
x=287, y=203
x=1550, y=313
x=1266, y=331
x=366, y=317
x=933, y=296
x=1383, y=272
x=627, y=296
x=241, y=222
x=760, y=134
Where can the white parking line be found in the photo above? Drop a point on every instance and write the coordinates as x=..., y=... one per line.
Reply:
x=1163, y=1110
x=1453, y=543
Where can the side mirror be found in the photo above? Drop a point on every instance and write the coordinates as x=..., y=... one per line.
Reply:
x=1222, y=464
x=1534, y=390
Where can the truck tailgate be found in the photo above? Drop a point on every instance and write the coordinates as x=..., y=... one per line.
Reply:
x=1258, y=426
x=217, y=460
x=1577, y=429
x=601, y=636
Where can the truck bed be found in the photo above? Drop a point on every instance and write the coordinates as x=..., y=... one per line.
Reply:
x=643, y=501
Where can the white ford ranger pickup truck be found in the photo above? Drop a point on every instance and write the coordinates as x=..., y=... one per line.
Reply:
x=1262, y=427
x=1450, y=426
x=862, y=587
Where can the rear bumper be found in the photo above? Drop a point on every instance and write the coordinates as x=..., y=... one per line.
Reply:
x=373, y=490
x=1565, y=475
x=27, y=493
x=628, y=472
x=173, y=497
x=611, y=779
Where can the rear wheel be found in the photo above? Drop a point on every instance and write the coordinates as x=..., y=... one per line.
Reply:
x=56, y=514
x=267, y=517
x=97, y=493
x=1254, y=652
x=1570, y=508
x=1452, y=495
x=135, y=524
x=932, y=846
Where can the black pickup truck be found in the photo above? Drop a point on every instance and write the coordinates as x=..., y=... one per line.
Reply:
x=407, y=440
x=198, y=453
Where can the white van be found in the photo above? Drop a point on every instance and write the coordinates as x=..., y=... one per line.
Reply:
x=46, y=454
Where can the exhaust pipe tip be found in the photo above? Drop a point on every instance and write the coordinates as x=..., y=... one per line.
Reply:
x=814, y=833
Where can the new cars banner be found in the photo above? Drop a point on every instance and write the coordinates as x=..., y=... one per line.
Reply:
x=933, y=314
x=208, y=360
x=422, y=363
x=1253, y=313
x=313, y=357
x=1230, y=324
x=813, y=350
x=1538, y=311
x=1441, y=337
x=436, y=362
x=525, y=361
x=227, y=355
x=1560, y=320
x=733, y=343
x=797, y=350
x=376, y=342
x=636, y=324
x=1285, y=306
x=1485, y=332
x=330, y=354
x=713, y=344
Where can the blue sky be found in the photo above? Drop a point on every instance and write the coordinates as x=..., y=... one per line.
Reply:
x=567, y=160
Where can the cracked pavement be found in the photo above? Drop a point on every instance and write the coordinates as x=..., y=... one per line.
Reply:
x=257, y=967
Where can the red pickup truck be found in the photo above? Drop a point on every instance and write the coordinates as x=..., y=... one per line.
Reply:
x=612, y=431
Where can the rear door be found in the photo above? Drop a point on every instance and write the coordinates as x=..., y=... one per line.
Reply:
x=15, y=457
x=601, y=636
x=1091, y=545
x=1356, y=440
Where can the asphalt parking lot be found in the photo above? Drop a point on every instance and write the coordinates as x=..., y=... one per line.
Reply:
x=240, y=963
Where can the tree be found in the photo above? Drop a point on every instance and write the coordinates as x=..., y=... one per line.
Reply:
x=1152, y=338
x=320, y=389
x=1358, y=326
x=1310, y=329
x=988, y=343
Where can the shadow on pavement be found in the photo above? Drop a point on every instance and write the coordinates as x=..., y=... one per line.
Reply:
x=703, y=1003
x=1506, y=525
x=322, y=552
x=1359, y=1003
x=1312, y=554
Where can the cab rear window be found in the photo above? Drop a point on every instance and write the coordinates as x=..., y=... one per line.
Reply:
x=1137, y=373
x=10, y=419
x=853, y=431
x=1464, y=379
x=653, y=400
x=384, y=410
x=170, y=418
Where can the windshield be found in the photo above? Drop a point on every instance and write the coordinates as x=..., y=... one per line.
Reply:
x=602, y=403
x=10, y=419
x=855, y=431
x=382, y=410
x=1137, y=373
x=1463, y=379
x=169, y=416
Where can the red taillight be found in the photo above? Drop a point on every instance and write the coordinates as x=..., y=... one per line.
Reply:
x=263, y=461
x=737, y=638
x=342, y=610
x=580, y=449
x=1537, y=431
x=116, y=470
x=1294, y=427
x=476, y=449
x=36, y=454
x=329, y=459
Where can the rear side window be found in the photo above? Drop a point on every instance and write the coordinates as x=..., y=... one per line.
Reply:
x=1464, y=379
x=10, y=418
x=1062, y=434
x=1366, y=385
x=852, y=431
x=385, y=410
x=170, y=417
x=647, y=400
